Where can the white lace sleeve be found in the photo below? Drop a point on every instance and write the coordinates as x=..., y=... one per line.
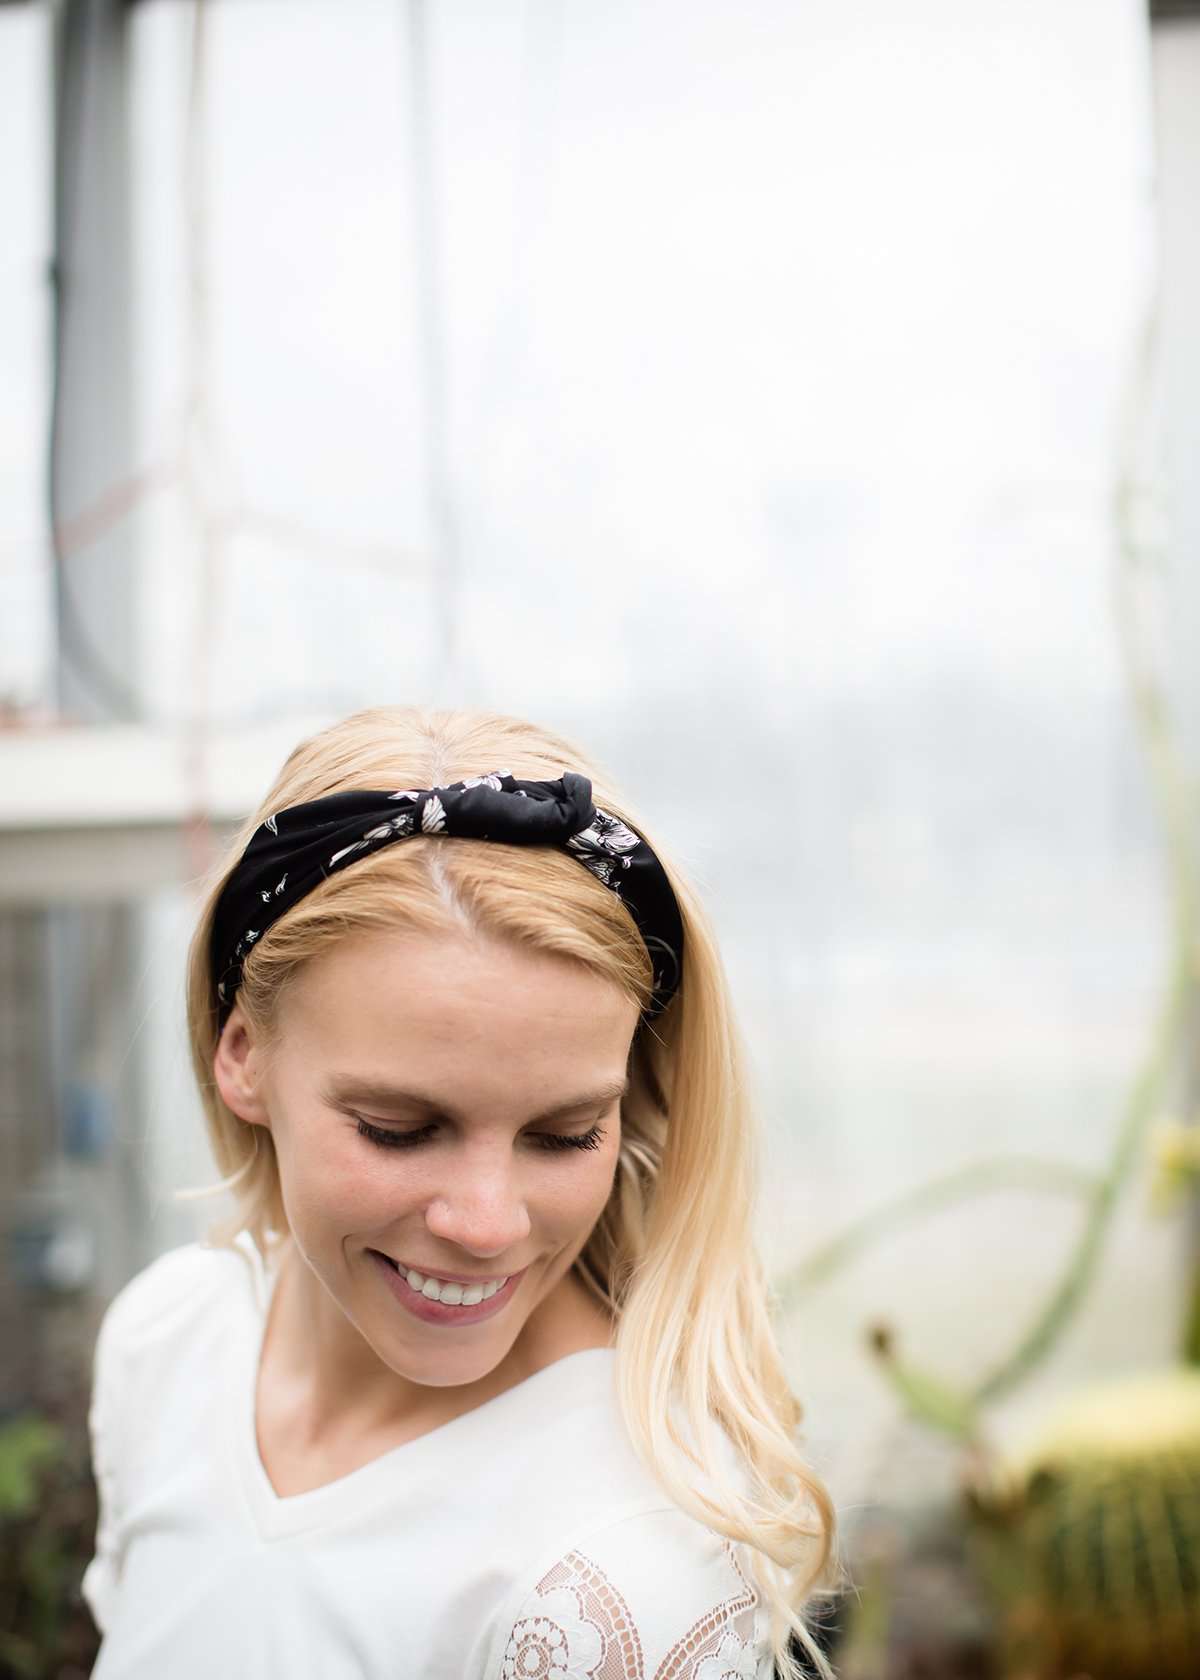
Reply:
x=653, y=1597
x=100, y=1578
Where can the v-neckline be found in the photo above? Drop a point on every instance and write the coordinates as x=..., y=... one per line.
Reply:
x=275, y=1514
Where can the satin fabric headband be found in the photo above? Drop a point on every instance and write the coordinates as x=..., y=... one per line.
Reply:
x=299, y=846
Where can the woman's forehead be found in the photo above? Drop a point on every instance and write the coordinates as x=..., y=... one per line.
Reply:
x=442, y=998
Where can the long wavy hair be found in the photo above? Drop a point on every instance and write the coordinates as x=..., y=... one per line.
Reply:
x=672, y=1257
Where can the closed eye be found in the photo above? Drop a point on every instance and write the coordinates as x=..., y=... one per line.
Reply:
x=387, y=1137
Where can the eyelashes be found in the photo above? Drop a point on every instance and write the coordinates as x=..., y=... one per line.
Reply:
x=386, y=1138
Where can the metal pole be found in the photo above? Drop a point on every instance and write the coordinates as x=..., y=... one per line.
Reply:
x=1176, y=73
x=93, y=951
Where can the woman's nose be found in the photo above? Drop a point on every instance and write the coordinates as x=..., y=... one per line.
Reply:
x=480, y=1208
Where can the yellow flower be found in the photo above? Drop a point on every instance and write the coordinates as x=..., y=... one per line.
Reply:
x=1175, y=1160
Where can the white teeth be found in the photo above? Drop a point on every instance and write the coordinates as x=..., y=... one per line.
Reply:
x=451, y=1294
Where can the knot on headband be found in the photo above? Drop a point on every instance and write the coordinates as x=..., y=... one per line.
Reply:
x=300, y=846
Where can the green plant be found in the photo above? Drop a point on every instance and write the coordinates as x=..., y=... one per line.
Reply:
x=47, y=1529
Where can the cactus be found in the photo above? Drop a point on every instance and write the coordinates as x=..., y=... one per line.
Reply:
x=1091, y=1540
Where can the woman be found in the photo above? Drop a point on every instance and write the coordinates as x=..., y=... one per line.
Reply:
x=479, y=1380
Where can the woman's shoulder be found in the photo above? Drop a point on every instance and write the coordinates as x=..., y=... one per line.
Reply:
x=674, y=1597
x=174, y=1287
x=612, y=1562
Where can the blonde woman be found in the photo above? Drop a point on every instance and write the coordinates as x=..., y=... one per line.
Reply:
x=479, y=1381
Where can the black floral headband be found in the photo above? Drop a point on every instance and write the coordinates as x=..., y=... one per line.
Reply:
x=298, y=847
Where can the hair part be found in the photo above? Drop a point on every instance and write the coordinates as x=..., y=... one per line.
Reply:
x=672, y=1257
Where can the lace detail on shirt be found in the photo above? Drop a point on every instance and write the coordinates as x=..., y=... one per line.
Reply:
x=584, y=1631
x=724, y=1643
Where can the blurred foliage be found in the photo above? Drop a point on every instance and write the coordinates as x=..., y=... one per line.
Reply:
x=47, y=1530
x=918, y=1609
x=27, y=1444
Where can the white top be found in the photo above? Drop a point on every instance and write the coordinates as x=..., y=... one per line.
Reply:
x=520, y=1541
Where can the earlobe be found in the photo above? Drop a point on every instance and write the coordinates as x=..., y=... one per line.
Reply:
x=234, y=1071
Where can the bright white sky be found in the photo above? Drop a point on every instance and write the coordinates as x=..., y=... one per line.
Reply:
x=821, y=308
x=824, y=305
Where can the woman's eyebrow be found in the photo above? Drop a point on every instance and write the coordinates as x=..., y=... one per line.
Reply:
x=346, y=1090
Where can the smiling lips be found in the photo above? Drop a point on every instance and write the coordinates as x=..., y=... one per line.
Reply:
x=453, y=1292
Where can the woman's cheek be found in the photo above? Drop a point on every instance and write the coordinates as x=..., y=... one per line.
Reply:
x=357, y=1172
x=589, y=1194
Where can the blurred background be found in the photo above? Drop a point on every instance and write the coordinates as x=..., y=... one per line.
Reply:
x=801, y=397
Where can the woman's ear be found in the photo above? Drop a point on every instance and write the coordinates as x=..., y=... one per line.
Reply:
x=237, y=1071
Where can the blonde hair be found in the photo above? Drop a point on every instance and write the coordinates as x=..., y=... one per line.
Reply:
x=672, y=1257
